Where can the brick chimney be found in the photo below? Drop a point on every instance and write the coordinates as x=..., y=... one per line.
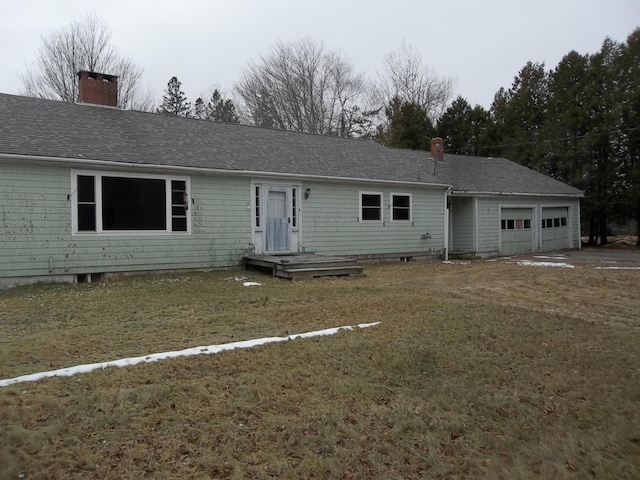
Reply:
x=98, y=88
x=437, y=149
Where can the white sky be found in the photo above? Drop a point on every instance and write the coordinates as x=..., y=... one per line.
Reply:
x=482, y=44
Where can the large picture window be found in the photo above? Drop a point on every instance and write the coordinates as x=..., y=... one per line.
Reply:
x=110, y=202
x=370, y=206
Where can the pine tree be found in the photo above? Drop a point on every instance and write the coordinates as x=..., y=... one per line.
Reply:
x=221, y=110
x=174, y=101
x=408, y=126
x=461, y=127
x=199, y=109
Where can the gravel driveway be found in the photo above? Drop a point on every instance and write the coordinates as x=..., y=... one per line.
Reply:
x=627, y=258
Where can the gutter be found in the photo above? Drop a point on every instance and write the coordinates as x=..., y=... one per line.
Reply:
x=461, y=193
x=246, y=173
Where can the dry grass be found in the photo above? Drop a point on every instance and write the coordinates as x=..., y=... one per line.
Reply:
x=484, y=370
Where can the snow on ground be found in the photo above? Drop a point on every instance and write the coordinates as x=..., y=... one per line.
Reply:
x=617, y=268
x=211, y=349
x=545, y=257
x=544, y=264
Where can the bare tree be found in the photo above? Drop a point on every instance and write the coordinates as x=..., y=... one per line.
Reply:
x=84, y=44
x=304, y=87
x=408, y=79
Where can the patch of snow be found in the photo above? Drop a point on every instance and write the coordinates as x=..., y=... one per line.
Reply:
x=457, y=262
x=211, y=349
x=530, y=263
x=617, y=268
x=251, y=284
x=555, y=257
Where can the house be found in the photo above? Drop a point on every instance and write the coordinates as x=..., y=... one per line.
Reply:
x=88, y=189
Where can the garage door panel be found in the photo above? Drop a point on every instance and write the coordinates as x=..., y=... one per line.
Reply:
x=555, y=228
x=516, y=232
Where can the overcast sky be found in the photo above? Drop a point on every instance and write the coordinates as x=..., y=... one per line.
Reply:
x=481, y=44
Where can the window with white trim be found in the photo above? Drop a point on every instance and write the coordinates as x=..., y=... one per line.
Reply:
x=370, y=207
x=106, y=202
x=400, y=207
x=294, y=207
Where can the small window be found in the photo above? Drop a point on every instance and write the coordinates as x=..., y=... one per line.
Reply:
x=257, y=212
x=179, y=205
x=556, y=222
x=370, y=206
x=511, y=224
x=503, y=224
x=519, y=224
x=563, y=221
x=294, y=206
x=527, y=223
x=544, y=223
x=549, y=222
x=400, y=207
x=86, y=203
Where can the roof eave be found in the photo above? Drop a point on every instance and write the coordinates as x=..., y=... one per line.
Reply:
x=245, y=173
x=476, y=193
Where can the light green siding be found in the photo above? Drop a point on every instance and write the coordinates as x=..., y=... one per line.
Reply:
x=331, y=221
x=489, y=210
x=36, y=238
x=462, y=218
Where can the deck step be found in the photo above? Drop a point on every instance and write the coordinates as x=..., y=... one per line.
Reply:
x=304, y=265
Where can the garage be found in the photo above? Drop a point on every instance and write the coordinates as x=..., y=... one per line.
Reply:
x=516, y=234
x=555, y=228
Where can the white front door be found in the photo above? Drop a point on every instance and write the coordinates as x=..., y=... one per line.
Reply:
x=278, y=220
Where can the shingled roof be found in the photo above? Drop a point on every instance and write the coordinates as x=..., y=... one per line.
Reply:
x=33, y=127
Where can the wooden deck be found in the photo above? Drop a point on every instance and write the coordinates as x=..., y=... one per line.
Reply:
x=304, y=265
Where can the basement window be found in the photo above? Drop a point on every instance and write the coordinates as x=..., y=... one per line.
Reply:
x=400, y=207
x=370, y=207
x=123, y=203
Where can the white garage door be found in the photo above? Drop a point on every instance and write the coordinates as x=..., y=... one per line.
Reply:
x=516, y=234
x=555, y=228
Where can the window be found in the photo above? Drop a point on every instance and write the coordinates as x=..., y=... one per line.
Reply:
x=511, y=224
x=257, y=200
x=179, y=205
x=105, y=202
x=86, y=203
x=400, y=207
x=554, y=222
x=371, y=207
x=294, y=206
x=527, y=223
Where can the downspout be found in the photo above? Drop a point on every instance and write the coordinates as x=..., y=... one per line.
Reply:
x=446, y=223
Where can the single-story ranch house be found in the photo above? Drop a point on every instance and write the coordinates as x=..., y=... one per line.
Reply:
x=88, y=189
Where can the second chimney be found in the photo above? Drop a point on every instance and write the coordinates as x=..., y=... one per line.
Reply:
x=437, y=149
x=98, y=88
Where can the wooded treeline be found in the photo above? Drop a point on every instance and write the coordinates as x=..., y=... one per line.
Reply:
x=579, y=122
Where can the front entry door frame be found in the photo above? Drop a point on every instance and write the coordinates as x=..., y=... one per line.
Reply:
x=276, y=218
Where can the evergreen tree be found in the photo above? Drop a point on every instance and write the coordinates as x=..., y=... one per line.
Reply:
x=629, y=65
x=461, y=127
x=221, y=110
x=199, y=109
x=519, y=116
x=408, y=126
x=174, y=101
